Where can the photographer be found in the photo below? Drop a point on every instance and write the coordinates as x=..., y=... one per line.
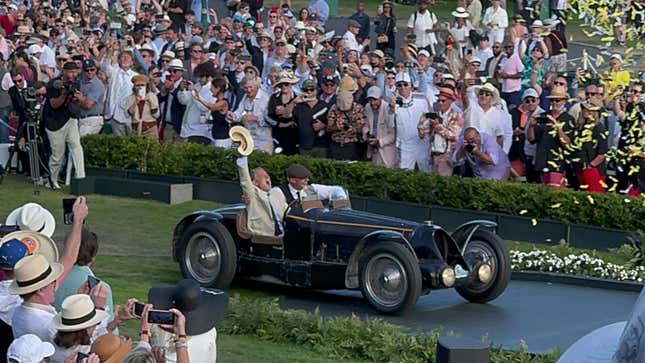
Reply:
x=62, y=129
x=483, y=153
x=88, y=107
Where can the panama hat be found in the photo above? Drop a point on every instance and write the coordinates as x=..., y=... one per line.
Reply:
x=488, y=88
x=241, y=135
x=32, y=217
x=558, y=92
x=33, y=273
x=36, y=243
x=148, y=47
x=460, y=13
x=176, y=64
x=77, y=313
x=202, y=307
x=537, y=24
x=29, y=348
x=111, y=348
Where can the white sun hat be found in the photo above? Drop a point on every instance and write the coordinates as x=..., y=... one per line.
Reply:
x=32, y=217
x=29, y=348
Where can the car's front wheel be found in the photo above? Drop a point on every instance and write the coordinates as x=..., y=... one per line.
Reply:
x=207, y=254
x=487, y=247
x=390, y=277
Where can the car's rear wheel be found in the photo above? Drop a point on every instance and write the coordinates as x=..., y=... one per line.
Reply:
x=390, y=277
x=208, y=254
x=488, y=248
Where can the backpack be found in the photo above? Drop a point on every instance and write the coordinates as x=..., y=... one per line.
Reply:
x=432, y=16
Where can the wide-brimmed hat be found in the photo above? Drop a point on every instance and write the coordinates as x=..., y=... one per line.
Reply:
x=264, y=35
x=29, y=348
x=35, y=243
x=32, y=217
x=460, y=13
x=147, y=47
x=348, y=84
x=488, y=88
x=77, y=313
x=111, y=348
x=139, y=79
x=33, y=273
x=286, y=76
x=241, y=135
x=202, y=307
x=519, y=18
x=558, y=92
x=447, y=92
x=176, y=64
x=168, y=54
x=537, y=24
x=379, y=53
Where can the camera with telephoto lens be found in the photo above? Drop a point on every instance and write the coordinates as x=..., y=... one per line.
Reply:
x=470, y=146
x=32, y=106
x=389, y=64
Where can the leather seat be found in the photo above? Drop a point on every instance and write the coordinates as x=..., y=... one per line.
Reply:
x=244, y=232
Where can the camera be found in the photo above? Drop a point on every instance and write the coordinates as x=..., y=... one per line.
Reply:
x=70, y=87
x=470, y=146
x=409, y=64
x=399, y=101
x=161, y=317
x=432, y=115
x=389, y=64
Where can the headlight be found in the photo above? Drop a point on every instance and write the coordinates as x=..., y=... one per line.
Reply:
x=484, y=272
x=448, y=277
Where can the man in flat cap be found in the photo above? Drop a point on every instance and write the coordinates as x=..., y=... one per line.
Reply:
x=298, y=187
x=350, y=37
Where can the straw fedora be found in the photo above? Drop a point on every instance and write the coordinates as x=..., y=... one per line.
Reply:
x=241, y=135
x=489, y=88
x=32, y=217
x=36, y=243
x=111, y=348
x=33, y=273
x=460, y=13
x=558, y=92
x=347, y=83
x=77, y=313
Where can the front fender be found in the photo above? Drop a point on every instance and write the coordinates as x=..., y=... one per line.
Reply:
x=185, y=222
x=351, y=273
x=464, y=232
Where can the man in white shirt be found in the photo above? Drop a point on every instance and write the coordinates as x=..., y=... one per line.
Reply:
x=423, y=24
x=484, y=113
x=120, y=87
x=350, y=37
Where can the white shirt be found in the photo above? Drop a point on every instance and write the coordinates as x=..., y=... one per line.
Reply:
x=498, y=16
x=8, y=303
x=483, y=55
x=424, y=21
x=260, y=130
x=30, y=318
x=196, y=113
x=407, y=120
x=320, y=191
x=201, y=348
x=352, y=43
x=119, y=90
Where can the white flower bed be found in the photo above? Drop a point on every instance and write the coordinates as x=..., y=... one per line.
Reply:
x=583, y=264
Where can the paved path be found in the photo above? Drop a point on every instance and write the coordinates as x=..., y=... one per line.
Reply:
x=543, y=315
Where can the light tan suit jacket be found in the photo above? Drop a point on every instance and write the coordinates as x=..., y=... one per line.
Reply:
x=259, y=216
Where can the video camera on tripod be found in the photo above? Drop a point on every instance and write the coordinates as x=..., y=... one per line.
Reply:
x=32, y=118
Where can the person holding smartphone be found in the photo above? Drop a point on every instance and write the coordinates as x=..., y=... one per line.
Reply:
x=143, y=107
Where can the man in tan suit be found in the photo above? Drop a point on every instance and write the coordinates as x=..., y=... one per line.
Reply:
x=264, y=210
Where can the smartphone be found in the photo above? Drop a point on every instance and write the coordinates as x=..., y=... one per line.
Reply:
x=431, y=115
x=80, y=356
x=141, y=92
x=161, y=317
x=137, y=309
x=92, y=281
x=68, y=205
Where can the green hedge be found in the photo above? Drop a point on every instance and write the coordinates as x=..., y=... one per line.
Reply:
x=604, y=210
x=369, y=339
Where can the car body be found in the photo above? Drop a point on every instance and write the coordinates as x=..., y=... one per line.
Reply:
x=391, y=260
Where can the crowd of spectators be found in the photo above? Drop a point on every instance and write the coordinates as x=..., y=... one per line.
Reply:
x=59, y=311
x=175, y=72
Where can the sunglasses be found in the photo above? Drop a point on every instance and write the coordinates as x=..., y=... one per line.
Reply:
x=530, y=100
x=175, y=70
x=156, y=74
x=443, y=100
x=496, y=46
x=591, y=94
x=90, y=70
x=402, y=84
x=391, y=77
x=484, y=93
x=560, y=83
x=40, y=94
x=557, y=100
x=18, y=80
x=308, y=89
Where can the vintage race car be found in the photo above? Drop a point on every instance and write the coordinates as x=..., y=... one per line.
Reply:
x=392, y=261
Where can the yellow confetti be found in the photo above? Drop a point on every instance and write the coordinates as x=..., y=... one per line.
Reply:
x=534, y=222
x=603, y=184
x=575, y=201
x=523, y=212
x=590, y=199
x=556, y=205
x=606, y=39
x=584, y=186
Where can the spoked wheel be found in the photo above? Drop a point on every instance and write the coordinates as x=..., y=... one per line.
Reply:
x=208, y=254
x=488, y=248
x=390, y=277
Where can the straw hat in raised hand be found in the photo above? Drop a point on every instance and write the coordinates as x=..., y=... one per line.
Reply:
x=241, y=135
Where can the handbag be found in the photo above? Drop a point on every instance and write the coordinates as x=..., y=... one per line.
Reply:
x=382, y=39
x=554, y=179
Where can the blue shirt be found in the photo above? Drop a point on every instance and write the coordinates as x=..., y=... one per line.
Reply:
x=322, y=9
x=364, y=20
x=77, y=276
x=489, y=146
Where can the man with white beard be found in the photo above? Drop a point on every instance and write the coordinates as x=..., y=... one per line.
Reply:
x=405, y=115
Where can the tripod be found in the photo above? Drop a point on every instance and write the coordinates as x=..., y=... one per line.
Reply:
x=34, y=157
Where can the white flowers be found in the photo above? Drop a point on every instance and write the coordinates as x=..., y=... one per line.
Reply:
x=583, y=264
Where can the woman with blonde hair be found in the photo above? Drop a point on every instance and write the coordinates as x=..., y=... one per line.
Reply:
x=143, y=106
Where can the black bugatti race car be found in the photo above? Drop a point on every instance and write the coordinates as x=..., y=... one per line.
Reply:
x=392, y=261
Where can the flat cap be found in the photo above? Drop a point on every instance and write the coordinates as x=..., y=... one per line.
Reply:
x=298, y=171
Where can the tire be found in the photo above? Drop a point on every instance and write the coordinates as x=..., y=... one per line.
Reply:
x=208, y=254
x=389, y=259
x=491, y=249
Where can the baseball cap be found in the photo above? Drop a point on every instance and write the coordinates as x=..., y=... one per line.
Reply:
x=374, y=92
x=29, y=349
x=11, y=252
x=617, y=56
x=89, y=63
x=475, y=60
x=530, y=92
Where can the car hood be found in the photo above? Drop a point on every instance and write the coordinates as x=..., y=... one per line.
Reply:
x=351, y=217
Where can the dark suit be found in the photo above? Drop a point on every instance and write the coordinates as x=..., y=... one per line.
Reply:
x=176, y=109
x=257, y=57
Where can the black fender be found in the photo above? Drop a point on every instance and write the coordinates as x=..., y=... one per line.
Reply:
x=188, y=220
x=351, y=273
x=464, y=232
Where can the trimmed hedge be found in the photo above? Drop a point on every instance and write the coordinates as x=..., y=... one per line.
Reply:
x=604, y=210
x=369, y=339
